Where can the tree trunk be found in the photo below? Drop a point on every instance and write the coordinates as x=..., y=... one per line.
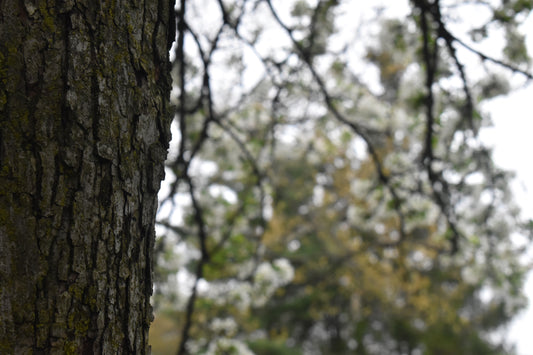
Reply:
x=84, y=127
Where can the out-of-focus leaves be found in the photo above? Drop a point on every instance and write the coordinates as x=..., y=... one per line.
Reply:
x=515, y=49
x=314, y=208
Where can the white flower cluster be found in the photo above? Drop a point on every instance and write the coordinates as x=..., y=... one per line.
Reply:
x=224, y=326
x=285, y=270
x=228, y=346
x=268, y=278
x=233, y=292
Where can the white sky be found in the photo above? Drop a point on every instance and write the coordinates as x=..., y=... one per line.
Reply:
x=513, y=145
x=511, y=138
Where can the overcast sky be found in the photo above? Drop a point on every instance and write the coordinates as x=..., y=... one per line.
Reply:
x=513, y=145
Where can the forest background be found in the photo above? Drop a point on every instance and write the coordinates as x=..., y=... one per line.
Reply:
x=331, y=186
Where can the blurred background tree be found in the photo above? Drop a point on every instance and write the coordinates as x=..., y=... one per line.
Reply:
x=327, y=191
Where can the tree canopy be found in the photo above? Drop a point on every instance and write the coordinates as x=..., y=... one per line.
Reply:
x=327, y=190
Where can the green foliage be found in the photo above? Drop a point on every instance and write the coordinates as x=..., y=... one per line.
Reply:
x=515, y=49
x=329, y=214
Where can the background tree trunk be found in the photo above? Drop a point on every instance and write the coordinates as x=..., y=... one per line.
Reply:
x=83, y=136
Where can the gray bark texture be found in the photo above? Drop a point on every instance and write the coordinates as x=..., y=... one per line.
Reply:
x=84, y=129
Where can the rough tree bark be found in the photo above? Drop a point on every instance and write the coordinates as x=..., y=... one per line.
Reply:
x=84, y=128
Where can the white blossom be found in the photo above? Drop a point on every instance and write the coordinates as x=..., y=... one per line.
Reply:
x=225, y=326
x=228, y=346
